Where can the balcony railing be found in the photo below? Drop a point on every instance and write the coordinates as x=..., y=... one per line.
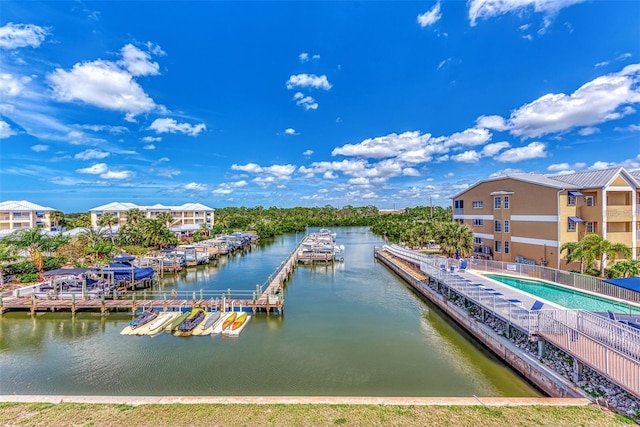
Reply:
x=623, y=213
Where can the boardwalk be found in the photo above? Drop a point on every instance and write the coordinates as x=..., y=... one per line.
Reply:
x=268, y=300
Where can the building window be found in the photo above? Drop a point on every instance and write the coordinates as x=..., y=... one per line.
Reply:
x=478, y=222
x=497, y=226
x=458, y=204
x=477, y=240
x=590, y=200
x=571, y=226
x=506, y=247
x=571, y=200
x=498, y=246
x=477, y=205
x=506, y=202
x=591, y=227
x=496, y=202
x=506, y=225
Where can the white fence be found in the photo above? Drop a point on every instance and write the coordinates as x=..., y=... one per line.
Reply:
x=607, y=346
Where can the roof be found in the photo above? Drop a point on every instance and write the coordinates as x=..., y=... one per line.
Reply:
x=117, y=206
x=22, y=205
x=125, y=206
x=571, y=181
x=593, y=179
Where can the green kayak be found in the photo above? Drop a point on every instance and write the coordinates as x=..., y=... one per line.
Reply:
x=179, y=320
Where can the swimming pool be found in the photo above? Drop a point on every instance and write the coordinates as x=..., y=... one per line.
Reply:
x=565, y=297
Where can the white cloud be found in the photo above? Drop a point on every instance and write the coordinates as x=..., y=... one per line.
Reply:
x=249, y=167
x=532, y=151
x=304, y=57
x=280, y=170
x=149, y=147
x=91, y=153
x=470, y=156
x=222, y=191
x=137, y=62
x=507, y=171
x=494, y=148
x=430, y=17
x=492, y=122
x=602, y=64
x=470, y=137
x=588, y=131
x=603, y=99
x=307, y=102
x=602, y=165
x=12, y=86
x=102, y=84
x=290, y=131
x=630, y=128
x=316, y=56
x=96, y=169
x=168, y=125
x=449, y=175
x=384, y=146
x=39, y=148
x=13, y=36
x=307, y=153
x=5, y=130
x=117, y=175
x=105, y=172
x=566, y=167
x=484, y=9
x=308, y=80
x=194, y=186
x=152, y=139
x=410, y=172
x=626, y=55
x=116, y=130
x=443, y=63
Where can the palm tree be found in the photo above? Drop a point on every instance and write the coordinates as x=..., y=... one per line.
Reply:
x=108, y=219
x=577, y=251
x=56, y=218
x=35, y=242
x=627, y=268
x=134, y=216
x=165, y=218
x=95, y=241
x=603, y=249
x=155, y=233
x=454, y=236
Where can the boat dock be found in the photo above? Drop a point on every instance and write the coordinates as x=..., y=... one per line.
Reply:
x=266, y=298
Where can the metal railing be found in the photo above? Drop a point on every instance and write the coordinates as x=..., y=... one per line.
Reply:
x=609, y=347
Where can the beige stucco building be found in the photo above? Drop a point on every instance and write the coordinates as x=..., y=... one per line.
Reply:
x=21, y=214
x=528, y=217
x=188, y=214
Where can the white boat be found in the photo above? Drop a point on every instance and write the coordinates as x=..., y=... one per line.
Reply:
x=162, y=320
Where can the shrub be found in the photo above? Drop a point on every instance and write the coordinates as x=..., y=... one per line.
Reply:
x=27, y=278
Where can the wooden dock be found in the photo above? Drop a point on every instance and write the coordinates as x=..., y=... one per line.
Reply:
x=270, y=300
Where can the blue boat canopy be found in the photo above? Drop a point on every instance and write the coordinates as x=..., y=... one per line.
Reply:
x=575, y=219
x=122, y=271
x=631, y=283
x=124, y=258
x=575, y=193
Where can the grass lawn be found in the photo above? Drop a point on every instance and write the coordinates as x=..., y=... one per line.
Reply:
x=77, y=414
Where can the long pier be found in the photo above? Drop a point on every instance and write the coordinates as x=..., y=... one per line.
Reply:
x=269, y=299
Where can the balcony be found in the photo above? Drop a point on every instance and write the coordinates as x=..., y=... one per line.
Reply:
x=619, y=213
x=5, y=218
x=458, y=211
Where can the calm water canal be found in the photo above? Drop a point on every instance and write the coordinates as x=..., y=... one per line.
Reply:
x=350, y=329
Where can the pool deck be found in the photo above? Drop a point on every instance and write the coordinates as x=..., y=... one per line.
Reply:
x=469, y=279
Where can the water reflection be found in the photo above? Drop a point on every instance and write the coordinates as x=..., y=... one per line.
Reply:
x=348, y=329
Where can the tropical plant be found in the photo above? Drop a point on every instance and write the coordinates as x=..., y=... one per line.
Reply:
x=156, y=234
x=96, y=242
x=603, y=249
x=165, y=218
x=35, y=242
x=625, y=268
x=108, y=219
x=56, y=218
x=452, y=237
x=134, y=216
x=577, y=251
x=7, y=254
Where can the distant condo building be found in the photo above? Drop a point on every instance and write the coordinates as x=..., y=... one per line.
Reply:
x=187, y=216
x=21, y=214
x=526, y=218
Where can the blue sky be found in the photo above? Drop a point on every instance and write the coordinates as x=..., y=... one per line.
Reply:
x=309, y=103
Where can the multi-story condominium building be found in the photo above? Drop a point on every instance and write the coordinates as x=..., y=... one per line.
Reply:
x=15, y=215
x=189, y=214
x=528, y=217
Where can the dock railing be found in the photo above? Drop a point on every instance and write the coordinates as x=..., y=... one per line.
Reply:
x=609, y=347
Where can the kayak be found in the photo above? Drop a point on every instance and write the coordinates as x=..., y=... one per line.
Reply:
x=239, y=321
x=192, y=320
x=179, y=320
x=211, y=320
x=229, y=320
x=145, y=317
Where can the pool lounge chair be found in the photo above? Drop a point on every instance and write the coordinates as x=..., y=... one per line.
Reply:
x=537, y=305
x=463, y=266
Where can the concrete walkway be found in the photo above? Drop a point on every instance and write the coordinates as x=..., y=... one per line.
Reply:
x=304, y=400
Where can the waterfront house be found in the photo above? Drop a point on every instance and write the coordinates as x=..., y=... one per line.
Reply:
x=22, y=214
x=528, y=217
x=187, y=216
